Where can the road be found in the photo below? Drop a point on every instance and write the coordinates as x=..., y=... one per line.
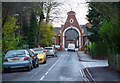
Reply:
x=65, y=67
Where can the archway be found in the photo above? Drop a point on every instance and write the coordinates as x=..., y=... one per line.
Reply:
x=73, y=38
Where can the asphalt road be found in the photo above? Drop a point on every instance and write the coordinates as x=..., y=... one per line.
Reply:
x=65, y=67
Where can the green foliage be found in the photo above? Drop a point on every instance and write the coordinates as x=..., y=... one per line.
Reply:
x=99, y=49
x=104, y=20
x=110, y=34
x=85, y=46
x=108, y=31
x=46, y=34
x=98, y=12
x=95, y=18
x=32, y=31
x=11, y=35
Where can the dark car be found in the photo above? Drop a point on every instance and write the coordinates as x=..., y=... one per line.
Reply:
x=34, y=57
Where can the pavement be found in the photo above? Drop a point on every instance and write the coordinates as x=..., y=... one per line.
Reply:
x=98, y=70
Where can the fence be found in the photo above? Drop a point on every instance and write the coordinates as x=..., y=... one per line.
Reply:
x=114, y=62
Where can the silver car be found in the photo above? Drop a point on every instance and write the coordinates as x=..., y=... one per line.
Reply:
x=50, y=51
x=17, y=59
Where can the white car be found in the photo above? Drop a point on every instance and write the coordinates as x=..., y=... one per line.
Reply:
x=50, y=51
x=71, y=47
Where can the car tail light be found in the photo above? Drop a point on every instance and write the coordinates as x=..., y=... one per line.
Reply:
x=5, y=60
x=26, y=58
x=32, y=57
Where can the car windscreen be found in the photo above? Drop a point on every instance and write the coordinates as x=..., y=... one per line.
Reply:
x=15, y=53
x=30, y=52
x=48, y=48
x=39, y=51
x=71, y=46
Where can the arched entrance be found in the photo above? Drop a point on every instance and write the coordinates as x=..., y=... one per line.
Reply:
x=71, y=35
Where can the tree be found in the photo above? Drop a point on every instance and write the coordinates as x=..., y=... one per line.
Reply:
x=11, y=35
x=23, y=13
x=108, y=30
x=47, y=34
x=107, y=20
x=51, y=8
x=32, y=31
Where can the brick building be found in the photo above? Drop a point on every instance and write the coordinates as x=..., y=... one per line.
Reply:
x=71, y=32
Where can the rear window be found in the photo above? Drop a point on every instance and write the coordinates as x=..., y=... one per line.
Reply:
x=37, y=49
x=48, y=48
x=71, y=45
x=39, y=52
x=15, y=53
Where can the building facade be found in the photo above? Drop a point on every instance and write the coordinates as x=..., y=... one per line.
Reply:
x=70, y=32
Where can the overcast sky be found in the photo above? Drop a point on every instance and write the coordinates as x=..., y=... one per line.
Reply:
x=80, y=7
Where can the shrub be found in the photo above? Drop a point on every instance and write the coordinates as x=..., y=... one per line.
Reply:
x=99, y=49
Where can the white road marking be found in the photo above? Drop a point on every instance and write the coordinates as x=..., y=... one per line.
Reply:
x=88, y=65
x=34, y=74
x=39, y=71
x=42, y=77
x=46, y=73
x=84, y=76
x=49, y=69
x=90, y=73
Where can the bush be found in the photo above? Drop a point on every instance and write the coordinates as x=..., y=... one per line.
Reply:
x=10, y=34
x=99, y=49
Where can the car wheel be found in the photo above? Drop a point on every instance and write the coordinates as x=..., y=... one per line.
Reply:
x=53, y=55
x=7, y=70
x=34, y=66
x=29, y=68
x=56, y=55
x=37, y=64
x=44, y=62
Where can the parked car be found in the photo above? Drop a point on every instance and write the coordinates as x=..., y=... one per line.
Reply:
x=17, y=59
x=50, y=51
x=41, y=54
x=57, y=47
x=71, y=47
x=34, y=57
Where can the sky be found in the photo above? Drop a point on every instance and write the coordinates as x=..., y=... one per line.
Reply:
x=80, y=7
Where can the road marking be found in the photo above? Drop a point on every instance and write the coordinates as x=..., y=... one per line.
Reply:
x=42, y=78
x=91, y=75
x=34, y=74
x=84, y=76
x=46, y=73
x=50, y=69
x=85, y=66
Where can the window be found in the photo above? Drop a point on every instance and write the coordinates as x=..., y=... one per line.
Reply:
x=71, y=20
